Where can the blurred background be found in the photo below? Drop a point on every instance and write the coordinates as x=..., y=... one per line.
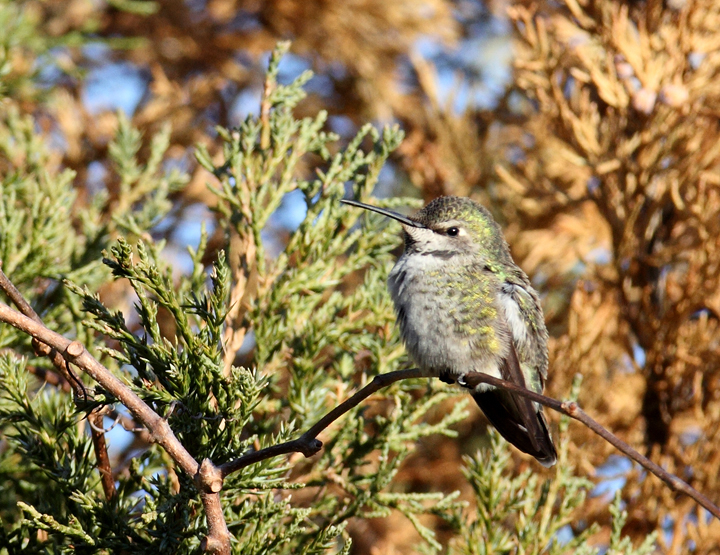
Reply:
x=589, y=128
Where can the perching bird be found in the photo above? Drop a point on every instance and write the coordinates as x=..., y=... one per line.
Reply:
x=463, y=305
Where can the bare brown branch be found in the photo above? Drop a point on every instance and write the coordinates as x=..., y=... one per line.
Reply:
x=571, y=409
x=308, y=444
x=24, y=307
x=218, y=539
x=16, y=297
x=98, y=439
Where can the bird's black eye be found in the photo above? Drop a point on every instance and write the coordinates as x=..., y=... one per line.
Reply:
x=453, y=231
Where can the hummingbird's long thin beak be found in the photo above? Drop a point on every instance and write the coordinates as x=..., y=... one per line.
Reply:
x=385, y=212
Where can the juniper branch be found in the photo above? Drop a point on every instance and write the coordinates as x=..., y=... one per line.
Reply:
x=211, y=477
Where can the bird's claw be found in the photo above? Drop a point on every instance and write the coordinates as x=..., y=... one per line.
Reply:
x=462, y=383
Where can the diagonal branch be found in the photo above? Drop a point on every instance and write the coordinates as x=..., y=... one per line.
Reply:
x=308, y=444
x=94, y=418
x=41, y=349
x=73, y=351
x=206, y=476
x=570, y=408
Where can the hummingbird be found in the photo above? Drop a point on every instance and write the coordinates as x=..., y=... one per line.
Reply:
x=463, y=305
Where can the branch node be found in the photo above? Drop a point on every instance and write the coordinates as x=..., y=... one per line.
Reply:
x=212, y=545
x=209, y=477
x=75, y=349
x=309, y=447
x=40, y=348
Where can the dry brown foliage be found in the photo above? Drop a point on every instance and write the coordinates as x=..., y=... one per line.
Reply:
x=624, y=163
x=613, y=204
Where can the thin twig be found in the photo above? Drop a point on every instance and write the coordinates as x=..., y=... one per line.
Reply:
x=308, y=444
x=95, y=419
x=571, y=409
x=16, y=297
x=128, y=424
x=41, y=350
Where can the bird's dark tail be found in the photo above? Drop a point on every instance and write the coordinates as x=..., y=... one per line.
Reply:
x=530, y=436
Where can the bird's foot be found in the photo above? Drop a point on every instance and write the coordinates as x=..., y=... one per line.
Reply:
x=445, y=377
x=461, y=381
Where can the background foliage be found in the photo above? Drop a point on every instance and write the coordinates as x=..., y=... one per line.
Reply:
x=596, y=150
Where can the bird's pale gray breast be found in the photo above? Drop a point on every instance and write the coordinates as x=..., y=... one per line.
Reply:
x=448, y=316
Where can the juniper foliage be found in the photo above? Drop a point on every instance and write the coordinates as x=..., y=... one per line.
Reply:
x=311, y=324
